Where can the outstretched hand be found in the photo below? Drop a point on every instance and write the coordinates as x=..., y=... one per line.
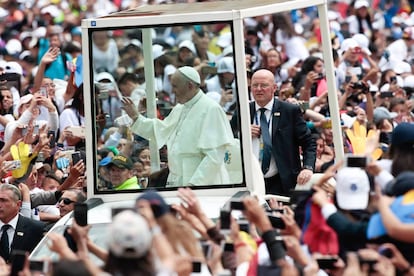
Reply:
x=130, y=108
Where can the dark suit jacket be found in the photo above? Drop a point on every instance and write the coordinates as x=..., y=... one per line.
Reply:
x=27, y=235
x=289, y=134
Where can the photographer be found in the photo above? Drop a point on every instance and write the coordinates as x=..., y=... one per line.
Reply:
x=357, y=93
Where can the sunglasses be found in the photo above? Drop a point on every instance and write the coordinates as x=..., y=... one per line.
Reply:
x=66, y=201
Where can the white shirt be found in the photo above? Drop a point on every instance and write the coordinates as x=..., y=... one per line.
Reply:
x=12, y=229
x=256, y=142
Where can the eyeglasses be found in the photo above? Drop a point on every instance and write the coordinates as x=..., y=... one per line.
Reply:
x=65, y=200
x=262, y=85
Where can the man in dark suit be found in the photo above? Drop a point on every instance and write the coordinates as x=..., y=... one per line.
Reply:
x=286, y=141
x=17, y=231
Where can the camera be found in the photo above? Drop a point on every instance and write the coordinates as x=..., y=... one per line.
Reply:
x=359, y=85
x=320, y=76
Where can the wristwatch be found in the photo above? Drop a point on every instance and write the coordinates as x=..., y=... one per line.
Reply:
x=307, y=167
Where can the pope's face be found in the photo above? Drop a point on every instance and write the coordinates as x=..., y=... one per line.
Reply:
x=179, y=88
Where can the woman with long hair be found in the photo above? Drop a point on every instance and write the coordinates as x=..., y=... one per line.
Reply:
x=73, y=116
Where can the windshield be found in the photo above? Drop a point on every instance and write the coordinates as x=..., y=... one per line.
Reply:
x=181, y=133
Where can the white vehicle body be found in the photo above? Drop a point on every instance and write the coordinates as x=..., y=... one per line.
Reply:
x=146, y=18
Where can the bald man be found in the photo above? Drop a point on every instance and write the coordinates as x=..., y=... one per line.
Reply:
x=197, y=133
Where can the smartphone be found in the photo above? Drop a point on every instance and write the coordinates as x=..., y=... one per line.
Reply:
x=356, y=161
x=386, y=252
x=76, y=157
x=386, y=94
x=43, y=91
x=62, y=163
x=39, y=266
x=77, y=131
x=236, y=205
x=326, y=263
x=225, y=220
x=13, y=164
x=209, y=70
x=36, y=129
x=206, y=247
x=81, y=214
x=196, y=266
x=52, y=138
x=320, y=76
x=103, y=95
x=17, y=260
x=244, y=225
x=276, y=222
x=228, y=247
x=24, y=131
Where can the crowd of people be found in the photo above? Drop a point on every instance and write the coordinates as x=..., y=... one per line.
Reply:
x=344, y=219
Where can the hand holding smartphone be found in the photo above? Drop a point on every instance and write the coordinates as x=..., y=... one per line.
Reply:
x=81, y=214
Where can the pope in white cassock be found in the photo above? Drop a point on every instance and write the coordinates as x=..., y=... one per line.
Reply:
x=197, y=133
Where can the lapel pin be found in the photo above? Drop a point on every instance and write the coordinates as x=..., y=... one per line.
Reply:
x=20, y=234
x=277, y=114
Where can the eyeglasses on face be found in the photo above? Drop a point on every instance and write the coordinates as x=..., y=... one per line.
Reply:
x=262, y=85
x=65, y=200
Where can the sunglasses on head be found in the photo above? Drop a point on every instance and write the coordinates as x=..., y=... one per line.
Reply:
x=65, y=200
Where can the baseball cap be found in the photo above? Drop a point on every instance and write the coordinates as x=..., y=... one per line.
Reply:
x=121, y=161
x=403, y=133
x=129, y=235
x=352, y=188
x=348, y=43
x=403, y=183
x=187, y=44
x=14, y=67
x=24, y=100
x=381, y=113
x=225, y=65
x=224, y=40
x=361, y=3
x=14, y=47
x=190, y=73
x=157, y=51
x=158, y=205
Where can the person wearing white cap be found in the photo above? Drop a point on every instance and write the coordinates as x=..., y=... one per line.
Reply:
x=361, y=21
x=186, y=51
x=223, y=82
x=196, y=145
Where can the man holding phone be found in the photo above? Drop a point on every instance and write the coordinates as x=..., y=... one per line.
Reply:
x=66, y=203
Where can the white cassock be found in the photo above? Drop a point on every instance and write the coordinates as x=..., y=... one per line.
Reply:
x=197, y=135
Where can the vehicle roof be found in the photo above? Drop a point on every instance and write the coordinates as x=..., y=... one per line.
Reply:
x=213, y=6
